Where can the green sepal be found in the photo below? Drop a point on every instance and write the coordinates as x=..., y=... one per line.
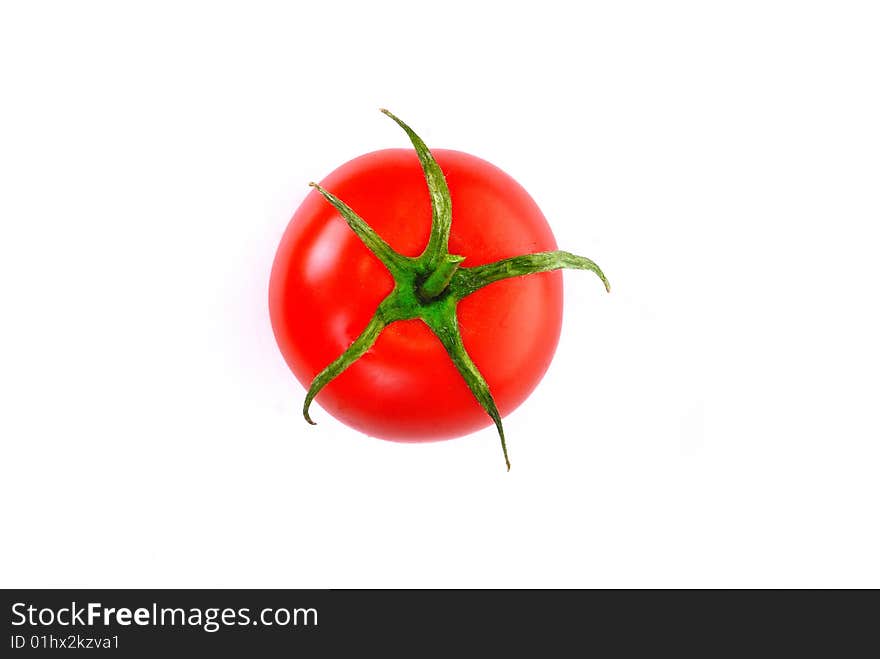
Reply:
x=372, y=240
x=355, y=351
x=441, y=201
x=445, y=327
x=467, y=280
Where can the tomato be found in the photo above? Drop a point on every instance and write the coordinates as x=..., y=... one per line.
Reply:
x=326, y=285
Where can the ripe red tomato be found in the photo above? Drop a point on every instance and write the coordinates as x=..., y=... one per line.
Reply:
x=326, y=284
x=438, y=329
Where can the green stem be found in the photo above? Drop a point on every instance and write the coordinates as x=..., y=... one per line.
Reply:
x=438, y=280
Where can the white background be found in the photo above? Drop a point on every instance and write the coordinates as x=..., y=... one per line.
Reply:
x=712, y=422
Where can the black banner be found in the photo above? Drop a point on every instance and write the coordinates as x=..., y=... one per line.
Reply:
x=409, y=623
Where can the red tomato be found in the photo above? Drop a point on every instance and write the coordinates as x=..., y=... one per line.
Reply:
x=326, y=285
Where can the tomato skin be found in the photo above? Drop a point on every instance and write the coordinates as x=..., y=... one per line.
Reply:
x=325, y=286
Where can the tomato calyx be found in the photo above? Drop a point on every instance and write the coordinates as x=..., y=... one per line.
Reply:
x=428, y=287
